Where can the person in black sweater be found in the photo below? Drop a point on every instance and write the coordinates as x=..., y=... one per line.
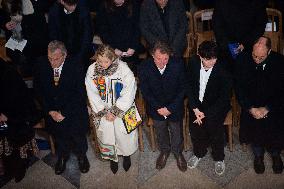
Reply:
x=118, y=26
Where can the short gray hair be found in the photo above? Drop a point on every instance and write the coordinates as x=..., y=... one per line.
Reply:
x=54, y=45
x=163, y=47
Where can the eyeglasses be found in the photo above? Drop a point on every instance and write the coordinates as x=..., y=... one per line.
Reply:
x=259, y=58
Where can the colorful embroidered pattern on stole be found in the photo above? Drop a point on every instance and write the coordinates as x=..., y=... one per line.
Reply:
x=130, y=120
x=108, y=151
x=100, y=82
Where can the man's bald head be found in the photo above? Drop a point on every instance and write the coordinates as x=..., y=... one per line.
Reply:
x=261, y=49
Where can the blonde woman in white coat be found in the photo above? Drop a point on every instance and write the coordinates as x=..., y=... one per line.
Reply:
x=111, y=89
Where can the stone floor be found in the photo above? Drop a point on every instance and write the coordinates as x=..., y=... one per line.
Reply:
x=239, y=173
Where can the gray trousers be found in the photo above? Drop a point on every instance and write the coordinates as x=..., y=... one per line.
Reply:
x=169, y=136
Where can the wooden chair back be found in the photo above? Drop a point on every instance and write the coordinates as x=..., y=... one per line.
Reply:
x=273, y=28
x=190, y=48
x=203, y=26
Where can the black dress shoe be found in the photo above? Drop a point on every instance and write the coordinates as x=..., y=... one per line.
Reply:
x=162, y=160
x=20, y=175
x=277, y=165
x=60, y=166
x=20, y=167
x=113, y=166
x=181, y=163
x=126, y=162
x=84, y=164
x=259, y=167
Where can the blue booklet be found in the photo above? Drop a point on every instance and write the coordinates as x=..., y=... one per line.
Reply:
x=233, y=47
x=118, y=87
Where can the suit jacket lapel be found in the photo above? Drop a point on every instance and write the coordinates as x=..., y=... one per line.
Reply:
x=63, y=74
x=211, y=87
x=197, y=78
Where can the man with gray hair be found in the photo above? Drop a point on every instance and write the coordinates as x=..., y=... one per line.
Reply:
x=59, y=81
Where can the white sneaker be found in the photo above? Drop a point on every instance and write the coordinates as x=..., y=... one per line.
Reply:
x=193, y=162
x=220, y=167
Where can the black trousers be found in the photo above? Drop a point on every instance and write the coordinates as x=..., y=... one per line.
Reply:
x=65, y=143
x=210, y=133
x=265, y=133
x=14, y=165
x=169, y=141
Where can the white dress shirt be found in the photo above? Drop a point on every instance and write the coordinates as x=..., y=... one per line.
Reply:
x=58, y=70
x=204, y=76
x=162, y=70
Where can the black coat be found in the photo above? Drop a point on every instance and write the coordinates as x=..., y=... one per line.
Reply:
x=69, y=97
x=34, y=28
x=250, y=82
x=119, y=29
x=165, y=90
x=17, y=104
x=74, y=29
x=239, y=21
x=152, y=28
x=217, y=96
x=258, y=87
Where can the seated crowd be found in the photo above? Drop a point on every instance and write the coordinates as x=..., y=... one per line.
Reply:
x=70, y=73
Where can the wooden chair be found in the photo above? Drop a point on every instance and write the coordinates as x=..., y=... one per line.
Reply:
x=203, y=26
x=3, y=54
x=142, y=111
x=274, y=32
x=190, y=48
x=185, y=129
x=41, y=125
x=143, y=55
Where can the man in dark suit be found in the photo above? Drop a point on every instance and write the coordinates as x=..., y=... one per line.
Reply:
x=60, y=83
x=164, y=20
x=70, y=22
x=259, y=87
x=209, y=92
x=162, y=85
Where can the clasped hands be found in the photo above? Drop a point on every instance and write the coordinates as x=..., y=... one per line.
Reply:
x=259, y=113
x=56, y=116
x=128, y=53
x=164, y=112
x=3, y=118
x=199, y=116
x=110, y=116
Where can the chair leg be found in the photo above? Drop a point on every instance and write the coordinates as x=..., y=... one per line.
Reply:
x=184, y=134
x=230, y=137
x=244, y=147
x=52, y=146
x=140, y=137
x=152, y=135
